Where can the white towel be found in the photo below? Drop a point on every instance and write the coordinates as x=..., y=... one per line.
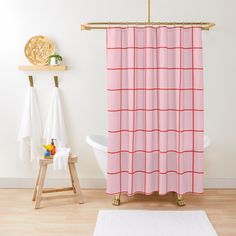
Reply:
x=30, y=132
x=55, y=126
x=60, y=159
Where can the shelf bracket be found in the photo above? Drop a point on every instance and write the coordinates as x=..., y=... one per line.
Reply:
x=56, y=80
x=31, y=81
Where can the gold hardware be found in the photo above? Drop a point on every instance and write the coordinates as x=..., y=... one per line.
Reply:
x=105, y=25
x=56, y=81
x=180, y=200
x=116, y=200
x=31, y=81
x=149, y=15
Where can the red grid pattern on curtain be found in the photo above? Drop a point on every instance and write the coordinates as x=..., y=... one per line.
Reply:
x=155, y=131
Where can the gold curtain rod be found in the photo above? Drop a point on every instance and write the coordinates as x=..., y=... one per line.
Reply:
x=105, y=25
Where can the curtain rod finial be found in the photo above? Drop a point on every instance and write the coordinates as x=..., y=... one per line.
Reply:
x=85, y=27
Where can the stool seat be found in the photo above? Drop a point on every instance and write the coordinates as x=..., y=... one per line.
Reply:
x=38, y=190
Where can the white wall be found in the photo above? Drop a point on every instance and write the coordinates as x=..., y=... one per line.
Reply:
x=84, y=85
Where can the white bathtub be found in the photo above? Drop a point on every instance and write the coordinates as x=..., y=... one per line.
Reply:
x=99, y=145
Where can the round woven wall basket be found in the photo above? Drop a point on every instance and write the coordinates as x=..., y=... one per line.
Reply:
x=38, y=49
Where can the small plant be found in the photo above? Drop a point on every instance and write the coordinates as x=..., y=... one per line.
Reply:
x=55, y=59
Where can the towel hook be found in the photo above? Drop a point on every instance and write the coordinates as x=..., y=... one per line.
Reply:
x=31, y=81
x=56, y=80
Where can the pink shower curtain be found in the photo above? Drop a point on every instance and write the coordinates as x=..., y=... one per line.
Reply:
x=155, y=106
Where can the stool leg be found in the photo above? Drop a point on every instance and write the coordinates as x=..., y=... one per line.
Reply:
x=36, y=185
x=71, y=177
x=40, y=186
x=76, y=183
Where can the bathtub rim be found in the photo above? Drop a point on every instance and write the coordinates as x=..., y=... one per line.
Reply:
x=91, y=140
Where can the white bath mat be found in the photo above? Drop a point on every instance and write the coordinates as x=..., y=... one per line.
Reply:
x=153, y=223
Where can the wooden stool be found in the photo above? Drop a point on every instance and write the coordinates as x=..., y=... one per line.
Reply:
x=38, y=190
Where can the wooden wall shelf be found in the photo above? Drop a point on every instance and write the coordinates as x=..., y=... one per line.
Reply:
x=42, y=68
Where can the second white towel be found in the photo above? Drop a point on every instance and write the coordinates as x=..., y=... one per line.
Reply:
x=60, y=160
x=55, y=125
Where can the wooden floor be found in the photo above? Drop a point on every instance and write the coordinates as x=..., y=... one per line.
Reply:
x=62, y=217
